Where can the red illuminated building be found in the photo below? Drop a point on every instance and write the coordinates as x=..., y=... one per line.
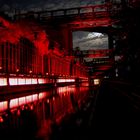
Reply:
x=37, y=56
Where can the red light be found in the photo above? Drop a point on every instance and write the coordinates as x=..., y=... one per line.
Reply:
x=18, y=112
x=1, y=119
x=31, y=107
x=17, y=70
x=48, y=101
x=53, y=98
x=61, y=90
x=30, y=71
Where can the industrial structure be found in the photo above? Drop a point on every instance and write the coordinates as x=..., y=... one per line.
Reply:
x=36, y=54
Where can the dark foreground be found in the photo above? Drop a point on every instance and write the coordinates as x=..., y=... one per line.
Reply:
x=113, y=112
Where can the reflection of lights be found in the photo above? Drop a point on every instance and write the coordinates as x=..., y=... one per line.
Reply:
x=26, y=107
x=0, y=68
x=65, y=89
x=3, y=81
x=96, y=81
x=18, y=112
x=22, y=108
x=48, y=101
x=85, y=84
x=31, y=107
x=3, y=106
x=1, y=119
x=22, y=101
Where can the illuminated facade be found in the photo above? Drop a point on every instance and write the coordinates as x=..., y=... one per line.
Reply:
x=26, y=57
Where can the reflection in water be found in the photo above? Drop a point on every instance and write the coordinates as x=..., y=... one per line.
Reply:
x=35, y=115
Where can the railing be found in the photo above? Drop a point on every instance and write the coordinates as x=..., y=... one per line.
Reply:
x=86, y=11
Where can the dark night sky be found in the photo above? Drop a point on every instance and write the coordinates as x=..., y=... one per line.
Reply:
x=82, y=39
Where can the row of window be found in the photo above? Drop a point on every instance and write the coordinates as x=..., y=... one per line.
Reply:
x=26, y=59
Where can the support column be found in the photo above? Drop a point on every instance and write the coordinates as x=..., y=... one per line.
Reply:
x=67, y=36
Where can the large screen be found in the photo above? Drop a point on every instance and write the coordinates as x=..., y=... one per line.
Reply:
x=84, y=41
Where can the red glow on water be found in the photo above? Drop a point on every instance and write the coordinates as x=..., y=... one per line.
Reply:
x=53, y=98
x=31, y=107
x=18, y=112
x=48, y=101
x=105, y=67
x=22, y=101
x=1, y=119
x=65, y=89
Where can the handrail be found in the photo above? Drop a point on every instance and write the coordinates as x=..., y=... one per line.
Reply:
x=67, y=12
